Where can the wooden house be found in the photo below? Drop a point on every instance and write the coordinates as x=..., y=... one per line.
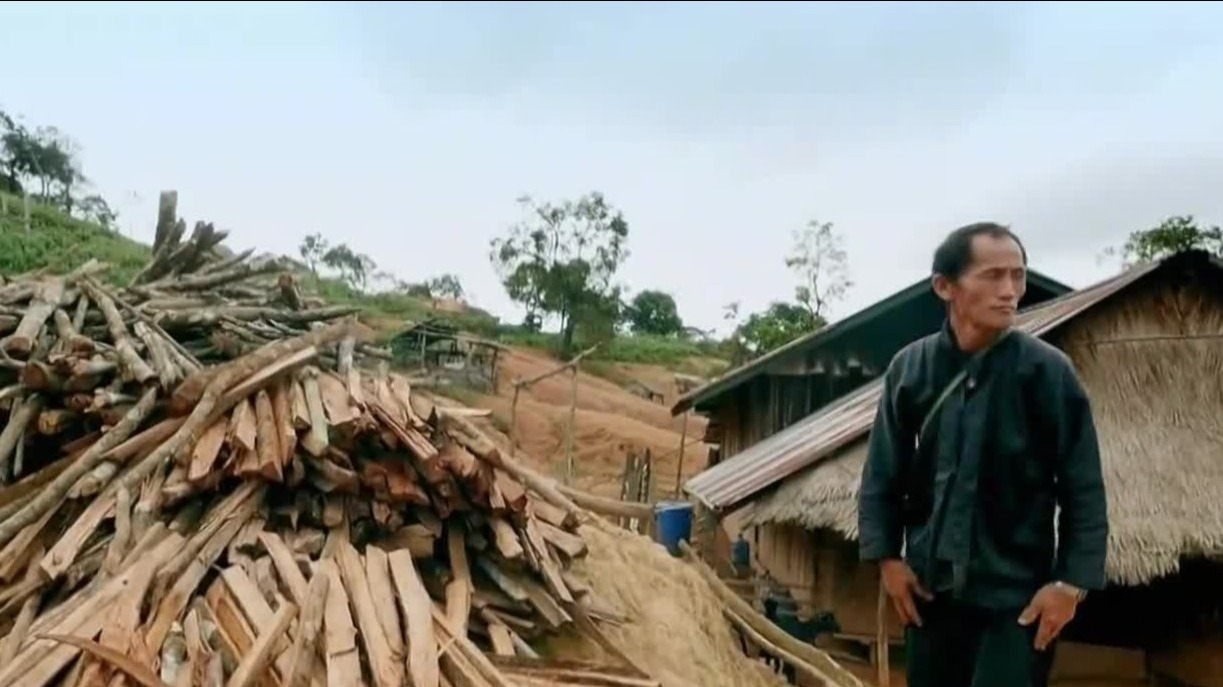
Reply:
x=768, y=394
x=438, y=352
x=649, y=393
x=1148, y=346
x=756, y=400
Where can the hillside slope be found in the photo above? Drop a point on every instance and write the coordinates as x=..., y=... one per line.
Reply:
x=610, y=422
x=61, y=243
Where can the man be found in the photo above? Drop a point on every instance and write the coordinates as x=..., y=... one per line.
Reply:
x=980, y=433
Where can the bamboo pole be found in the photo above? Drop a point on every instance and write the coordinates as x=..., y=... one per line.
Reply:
x=679, y=463
x=571, y=430
x=882, y=661
x=573, y=364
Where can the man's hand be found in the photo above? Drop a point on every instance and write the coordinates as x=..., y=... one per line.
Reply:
x=901, y=584
x=1054, y=605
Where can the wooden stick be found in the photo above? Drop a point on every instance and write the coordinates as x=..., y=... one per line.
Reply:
x=883, y=665
x=260, y=656
x=829, y=671
x=129, y=360
x=571, y=428
x=211, y=404
x=19, y=420
x=52, y=495
x=307, y=632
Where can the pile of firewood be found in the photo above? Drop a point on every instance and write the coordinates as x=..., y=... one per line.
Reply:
x=204, y=485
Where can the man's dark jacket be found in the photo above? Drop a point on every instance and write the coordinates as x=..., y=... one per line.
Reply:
x=975, y=506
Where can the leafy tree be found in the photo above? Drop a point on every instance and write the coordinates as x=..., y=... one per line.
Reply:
x=46, y=159
x=94, y=208
x=820, y=261
x=18, y=151
x=312, y=250
x=45, y=156
x=599, y=316
x=771, y=328
x=1174, y=235
x=445, y=286
x=354, y=268
x=561, y=261
x=419, y=290
x=654, y=312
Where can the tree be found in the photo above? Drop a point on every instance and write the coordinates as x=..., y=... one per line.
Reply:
x=45, y=156
x=94, y=208
x=354, y=268
x=49, y=160
x=562, y=260
x=600, y=315
x=776, y=326
x=654, y=312
x=1174, y=235
x=445, y=286
x=312, y=250
x=820, y=261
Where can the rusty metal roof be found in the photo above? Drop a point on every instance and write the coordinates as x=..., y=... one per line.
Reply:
x=763, y=464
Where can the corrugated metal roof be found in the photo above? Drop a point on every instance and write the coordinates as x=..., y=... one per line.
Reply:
x=734, y=377
x=794, y=448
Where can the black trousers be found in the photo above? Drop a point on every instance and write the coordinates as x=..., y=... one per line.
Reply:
x=965, y=646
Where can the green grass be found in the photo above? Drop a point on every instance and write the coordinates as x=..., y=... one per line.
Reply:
x=401, y=308
x=62, y=243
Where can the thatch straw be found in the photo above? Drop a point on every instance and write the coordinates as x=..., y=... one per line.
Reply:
x=1152, y=364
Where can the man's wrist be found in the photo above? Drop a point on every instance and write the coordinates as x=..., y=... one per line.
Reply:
x=1077, y=593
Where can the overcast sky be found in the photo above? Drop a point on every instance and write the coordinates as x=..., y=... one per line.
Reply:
x=408, y=130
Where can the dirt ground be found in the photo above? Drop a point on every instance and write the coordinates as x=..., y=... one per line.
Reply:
x=610, y=421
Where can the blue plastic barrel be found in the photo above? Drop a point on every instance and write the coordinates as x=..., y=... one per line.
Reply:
x=741, y=554
x=673, y=523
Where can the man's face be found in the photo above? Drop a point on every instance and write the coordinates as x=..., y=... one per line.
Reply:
x=987, y=293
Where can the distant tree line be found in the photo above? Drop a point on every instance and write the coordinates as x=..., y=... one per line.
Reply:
x=561, y=261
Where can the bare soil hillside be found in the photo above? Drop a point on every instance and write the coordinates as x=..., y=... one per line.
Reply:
x=610, y=421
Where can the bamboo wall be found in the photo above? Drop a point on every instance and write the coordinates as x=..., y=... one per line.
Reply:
x=822, y=572
x=769, y=403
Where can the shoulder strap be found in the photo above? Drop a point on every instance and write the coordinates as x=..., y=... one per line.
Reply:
x=955, y=383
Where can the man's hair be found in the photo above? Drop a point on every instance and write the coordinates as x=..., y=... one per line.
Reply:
x=954, y=254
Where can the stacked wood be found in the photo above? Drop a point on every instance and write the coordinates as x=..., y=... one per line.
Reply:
x=182, y=508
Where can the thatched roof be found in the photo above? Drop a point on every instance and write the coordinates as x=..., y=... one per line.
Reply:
x=1151, y=360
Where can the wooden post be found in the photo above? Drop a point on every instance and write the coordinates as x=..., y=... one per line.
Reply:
x=25, y=200
x=572, y=366
x=573, y=409
x=514, y=421
x=650, y=481
x=679, y=468
x=881, y=639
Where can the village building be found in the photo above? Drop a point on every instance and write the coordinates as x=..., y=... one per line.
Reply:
x=1148, y=346
x=646, y=391
x=754, y=401
x=439, y=353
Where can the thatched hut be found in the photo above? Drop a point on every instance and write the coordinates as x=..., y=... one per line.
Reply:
x=1148, y=345
x=748, y=405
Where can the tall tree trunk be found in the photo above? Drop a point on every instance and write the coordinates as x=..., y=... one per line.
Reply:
x=568, y=325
